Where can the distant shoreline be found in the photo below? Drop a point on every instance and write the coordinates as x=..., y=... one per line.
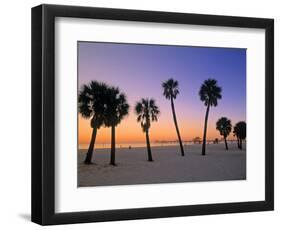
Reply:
x=153, y=144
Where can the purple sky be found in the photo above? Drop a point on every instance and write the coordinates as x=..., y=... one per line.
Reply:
x=139, y=70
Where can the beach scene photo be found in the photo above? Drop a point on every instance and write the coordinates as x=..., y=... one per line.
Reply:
x=150, y=114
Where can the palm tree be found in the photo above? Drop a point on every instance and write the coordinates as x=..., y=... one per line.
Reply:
x=236, y=133
x=209, y=93
x=240, y=132
x=224, y=126
x=171, y=91
x=147, y=112
x=91, y=101
x=117, y=108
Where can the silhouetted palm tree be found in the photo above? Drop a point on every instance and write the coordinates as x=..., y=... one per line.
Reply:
x=171, y=91
x=235, y=133
x=147, y=112
x=224, y=126
x=209, y=93
x=117, y=108
x=91, y=101
x=239, y=131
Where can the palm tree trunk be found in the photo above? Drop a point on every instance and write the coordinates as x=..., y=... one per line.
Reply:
x=176, y=125
x=225, y=142
x=112, y=153
x=240, y=144
x=89, y=154
x=205, y=130
x=148, y=146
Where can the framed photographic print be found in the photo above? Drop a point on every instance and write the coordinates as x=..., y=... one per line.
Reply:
x=141, y=114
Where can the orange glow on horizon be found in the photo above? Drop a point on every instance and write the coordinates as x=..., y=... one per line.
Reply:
x=129, y=131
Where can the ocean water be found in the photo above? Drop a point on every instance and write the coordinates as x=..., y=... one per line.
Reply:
x=143, y=144
x=132, y=145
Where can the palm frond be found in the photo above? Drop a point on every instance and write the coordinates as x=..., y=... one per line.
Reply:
x=209, y=92
x=116, y=106
x=239, y=130
x=147, y=111
x=170, y=88
x=91, y=102
x=224, y=126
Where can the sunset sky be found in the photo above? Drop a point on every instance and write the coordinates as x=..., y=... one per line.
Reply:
x=139, y=70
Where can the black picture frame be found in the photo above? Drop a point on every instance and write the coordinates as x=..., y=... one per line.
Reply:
x=43, y=114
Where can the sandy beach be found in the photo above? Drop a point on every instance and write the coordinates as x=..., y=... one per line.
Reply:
x=168, y=165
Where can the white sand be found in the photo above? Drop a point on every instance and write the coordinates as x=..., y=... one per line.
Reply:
x=168, y=165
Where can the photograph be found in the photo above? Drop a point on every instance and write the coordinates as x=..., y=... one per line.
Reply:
x=142, y=113
x=154, y=113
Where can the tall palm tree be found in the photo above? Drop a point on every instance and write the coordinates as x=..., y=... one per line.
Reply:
x=147, y=112
x=91, y=101
x=171, y=91
x=117, y=108
x=224, y=126
x=236, y=133
x=209, y=93
x=240, y=132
